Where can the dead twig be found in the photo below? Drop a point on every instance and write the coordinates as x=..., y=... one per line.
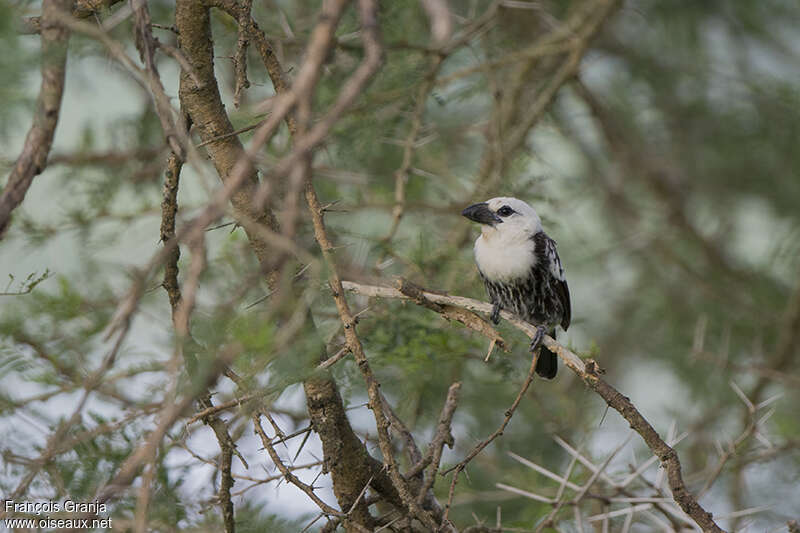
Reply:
x=484, y=443
x=287, y=473
x=443, y=435
x=240, y=57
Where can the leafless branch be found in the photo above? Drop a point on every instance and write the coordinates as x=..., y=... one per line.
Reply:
x=171, y=411
x=457, y=469
x=401, y=174
x=81, y=9
x=240, y=58
x=287, y=473
x=443, y=435
x=33, y=158
x=589, y=371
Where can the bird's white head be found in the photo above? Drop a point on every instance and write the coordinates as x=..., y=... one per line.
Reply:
x=504, y=218
x=504, y=250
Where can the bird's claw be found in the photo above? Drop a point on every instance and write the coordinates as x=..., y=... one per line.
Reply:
x=495, y=316
x=537, y=338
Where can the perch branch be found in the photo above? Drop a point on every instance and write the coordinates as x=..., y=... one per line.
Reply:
x=589, y=371
x=450, y=312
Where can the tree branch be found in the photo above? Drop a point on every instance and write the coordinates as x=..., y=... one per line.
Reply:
x=287, y=473
x=351, y=88
x=205, y=108
x=33, y=158
x=80, y=10
x=457, y=469
x=589, y=371
x=345, y=456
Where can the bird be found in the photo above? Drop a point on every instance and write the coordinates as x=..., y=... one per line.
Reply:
x=521, y=270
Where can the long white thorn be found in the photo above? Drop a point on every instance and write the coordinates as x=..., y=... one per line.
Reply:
x=545, y=472
x=525, y=493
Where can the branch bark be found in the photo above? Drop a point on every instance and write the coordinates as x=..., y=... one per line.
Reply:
x=33, y=158
x=345, y=457
x=169, y=211
x=589, y=371
x=205, y=108
x=233, y=164
x=81, y=9
x=351, y=88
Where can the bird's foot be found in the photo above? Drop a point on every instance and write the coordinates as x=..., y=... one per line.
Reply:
x=495, y=316
x=537, y=338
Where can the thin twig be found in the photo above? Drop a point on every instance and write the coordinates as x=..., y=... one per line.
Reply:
x=458, y=468
x=240, y=58
x=287, y=473
x=401, y=174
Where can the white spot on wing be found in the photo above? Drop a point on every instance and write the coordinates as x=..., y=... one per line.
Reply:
x=555, y=262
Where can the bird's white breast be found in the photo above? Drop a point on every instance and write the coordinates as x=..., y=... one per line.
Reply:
x=504, y=257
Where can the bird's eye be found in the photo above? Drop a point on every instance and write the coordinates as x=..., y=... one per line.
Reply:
x=505, y=211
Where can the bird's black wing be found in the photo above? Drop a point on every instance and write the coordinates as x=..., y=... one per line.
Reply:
x=559, y=281
x=563, y=294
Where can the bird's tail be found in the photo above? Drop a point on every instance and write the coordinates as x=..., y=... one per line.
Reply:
x=547, y=365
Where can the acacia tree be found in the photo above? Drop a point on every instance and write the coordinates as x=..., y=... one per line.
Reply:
x=287, y=154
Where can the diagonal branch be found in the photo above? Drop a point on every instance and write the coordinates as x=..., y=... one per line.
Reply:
x=204, y=106
x=33, y=158
x=443, y=436
x=129, y=469
x=286, y=471
x=589, y=371
x=401, y=175
x=351, y=89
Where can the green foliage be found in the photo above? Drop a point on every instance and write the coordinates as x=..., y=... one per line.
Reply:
x=668, y=178
x=17, y=288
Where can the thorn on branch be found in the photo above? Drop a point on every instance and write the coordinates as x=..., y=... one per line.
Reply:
x=327, y=207
x=172, y=29
x=593, y=369
x=240, y=58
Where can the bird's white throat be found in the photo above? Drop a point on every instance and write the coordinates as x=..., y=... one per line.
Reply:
x=504, y=255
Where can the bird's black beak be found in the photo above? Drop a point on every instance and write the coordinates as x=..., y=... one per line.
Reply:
x=482, y=214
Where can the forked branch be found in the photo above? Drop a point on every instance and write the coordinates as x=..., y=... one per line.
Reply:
x=589, y=371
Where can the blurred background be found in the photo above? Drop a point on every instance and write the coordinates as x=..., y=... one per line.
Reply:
x=663, y=161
